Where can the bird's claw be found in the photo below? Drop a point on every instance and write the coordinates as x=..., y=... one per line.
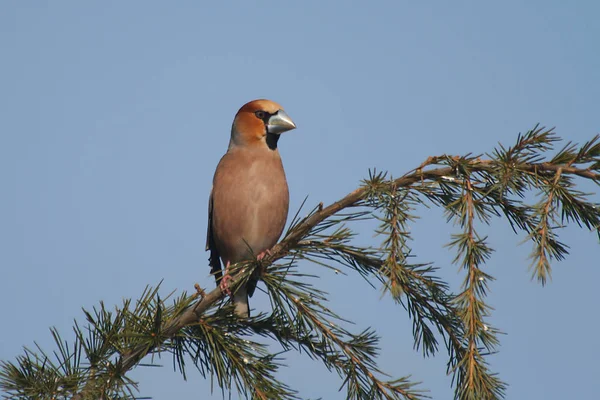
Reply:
x=224, y=285
x=263, y=254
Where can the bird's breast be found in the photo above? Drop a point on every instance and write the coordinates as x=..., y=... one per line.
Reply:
x=250, y=205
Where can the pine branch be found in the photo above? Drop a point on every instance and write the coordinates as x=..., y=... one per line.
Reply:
x=353, y=199
x=301, y=308
x=470, y=189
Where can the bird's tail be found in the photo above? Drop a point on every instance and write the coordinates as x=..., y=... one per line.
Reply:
x=240, y=301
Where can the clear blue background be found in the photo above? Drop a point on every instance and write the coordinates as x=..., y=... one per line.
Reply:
x=113, y=116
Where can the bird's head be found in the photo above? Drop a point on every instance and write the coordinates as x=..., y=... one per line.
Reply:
x=259, y=123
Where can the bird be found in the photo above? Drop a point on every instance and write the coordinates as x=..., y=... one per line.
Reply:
x=249, y=200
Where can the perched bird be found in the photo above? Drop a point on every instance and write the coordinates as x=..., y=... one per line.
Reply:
x=248, y=204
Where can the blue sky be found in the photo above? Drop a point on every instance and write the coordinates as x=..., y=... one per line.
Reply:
x=113, y=116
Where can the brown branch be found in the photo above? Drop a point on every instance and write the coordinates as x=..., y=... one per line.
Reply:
x=194, y=313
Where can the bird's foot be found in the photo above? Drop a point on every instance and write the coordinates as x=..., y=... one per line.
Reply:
x=259, y=258
x=224, y=285
x=263, y=254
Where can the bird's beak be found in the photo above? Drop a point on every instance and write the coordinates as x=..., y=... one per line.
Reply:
x=280, y=122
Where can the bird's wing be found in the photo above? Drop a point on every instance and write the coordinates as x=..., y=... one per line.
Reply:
x=214, y=258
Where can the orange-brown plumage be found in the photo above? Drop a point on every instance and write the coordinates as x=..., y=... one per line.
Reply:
x=249, y=199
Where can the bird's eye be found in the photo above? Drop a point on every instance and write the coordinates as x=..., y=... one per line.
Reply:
x=260, y=114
